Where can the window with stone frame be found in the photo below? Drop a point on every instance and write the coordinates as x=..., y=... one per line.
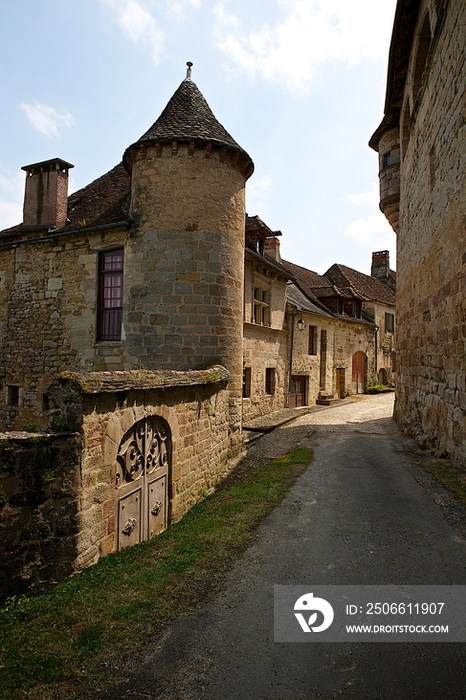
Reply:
x=110, y=295
x=389, y=323
x=247, y=383
x=262, y=306
x=312, y=340
x=270, y=381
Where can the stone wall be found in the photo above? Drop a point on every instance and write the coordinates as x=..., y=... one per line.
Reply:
x=40, y=485
x=59, y=493
x=264, y=348
x=48, y=300
x=431, y=251
x=343, y=341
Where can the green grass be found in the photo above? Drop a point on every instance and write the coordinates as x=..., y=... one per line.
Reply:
x=379, y=389
x=61, y=644
x=453, y=479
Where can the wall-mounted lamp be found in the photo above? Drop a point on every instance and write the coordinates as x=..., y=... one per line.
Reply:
x=301, y=324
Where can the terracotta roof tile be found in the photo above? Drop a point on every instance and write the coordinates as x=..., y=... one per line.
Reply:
x=312, y=284
x=367, y=287
x=104, y=201
x=295, y=297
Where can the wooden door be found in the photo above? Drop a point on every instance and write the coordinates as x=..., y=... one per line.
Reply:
x=340, y=383
x=142, y=482
x=297, y=392
x=359, y=373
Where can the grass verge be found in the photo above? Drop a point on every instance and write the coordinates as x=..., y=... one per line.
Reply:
x=61, y=644
x=453, y=479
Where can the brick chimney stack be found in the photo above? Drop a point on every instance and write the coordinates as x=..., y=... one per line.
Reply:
x=381, y=265
x=272, y=248
x=46, y=194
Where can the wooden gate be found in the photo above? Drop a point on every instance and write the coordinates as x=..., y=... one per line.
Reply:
x=297, y=392
x=142, y=482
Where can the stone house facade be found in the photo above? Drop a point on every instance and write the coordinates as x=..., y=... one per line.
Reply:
x=265, y=332
x=421, y=144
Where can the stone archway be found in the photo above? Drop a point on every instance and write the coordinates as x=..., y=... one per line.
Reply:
x=383, y=377
x=359, y=366
x=142, y=482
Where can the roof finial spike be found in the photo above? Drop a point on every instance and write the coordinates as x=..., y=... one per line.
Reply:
x=188, y=72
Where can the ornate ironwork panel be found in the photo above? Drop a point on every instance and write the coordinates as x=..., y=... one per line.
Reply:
x=142, y=482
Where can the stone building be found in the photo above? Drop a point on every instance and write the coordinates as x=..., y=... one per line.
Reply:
x=121, y=321
x=143, y=319
x=334, y=346
x=421, y=144
x=265, y=332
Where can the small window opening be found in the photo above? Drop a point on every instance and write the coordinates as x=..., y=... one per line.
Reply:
x=247, y=383
x=270, y=380
x=13, y=396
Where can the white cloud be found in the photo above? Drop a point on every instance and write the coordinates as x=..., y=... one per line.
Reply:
x=179, y=10
x=308, y=34
x=139, y=24
x=222, y=17
x=369, y=198
x=373, y=230
x=259, y=187
x=11, y=200
x=46, y=119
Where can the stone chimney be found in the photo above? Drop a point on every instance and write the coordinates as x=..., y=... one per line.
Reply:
x=46, y=194
x=272, y=248
x=381, y=265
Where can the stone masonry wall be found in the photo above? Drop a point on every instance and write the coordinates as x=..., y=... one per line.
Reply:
x=265, y=347
x=198, y=422
x=186, y=310
x=343, y=341
x=58, y=497
x=431, y=250
x=48, y=299
x=40, y=483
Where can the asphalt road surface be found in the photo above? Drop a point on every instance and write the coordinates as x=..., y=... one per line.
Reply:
x=362, y=513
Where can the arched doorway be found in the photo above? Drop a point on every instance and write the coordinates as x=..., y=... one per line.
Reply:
x=359, y=372
x=142, y=482
x=383, y=377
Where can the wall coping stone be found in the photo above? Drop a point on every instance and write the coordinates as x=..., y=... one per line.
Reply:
x=142, y=379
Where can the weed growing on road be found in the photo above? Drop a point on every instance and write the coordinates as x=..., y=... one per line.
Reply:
x=60, y=644
x=452, y=478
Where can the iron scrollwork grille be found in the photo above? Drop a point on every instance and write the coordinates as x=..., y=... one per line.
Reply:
x=144, y=450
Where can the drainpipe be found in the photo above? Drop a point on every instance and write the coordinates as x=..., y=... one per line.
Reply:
x=291, y=356
x=377, y=328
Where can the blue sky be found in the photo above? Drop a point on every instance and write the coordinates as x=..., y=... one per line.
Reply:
x=299, y=84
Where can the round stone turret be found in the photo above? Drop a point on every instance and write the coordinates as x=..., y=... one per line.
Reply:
x=188, y=204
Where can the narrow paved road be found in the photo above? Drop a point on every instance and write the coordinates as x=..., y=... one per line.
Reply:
x=363, y=513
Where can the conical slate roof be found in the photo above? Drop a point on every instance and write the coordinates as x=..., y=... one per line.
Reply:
x=187, y=116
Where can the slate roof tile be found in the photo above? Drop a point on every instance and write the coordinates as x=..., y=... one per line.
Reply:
x=187, y=116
